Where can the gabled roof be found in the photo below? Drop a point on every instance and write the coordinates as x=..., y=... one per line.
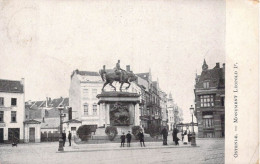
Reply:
x=215, y=77
x=84, y=73
x=34, y=113
x=11, y=86
x=36, y=108
x=143, y=75
x=31, y=122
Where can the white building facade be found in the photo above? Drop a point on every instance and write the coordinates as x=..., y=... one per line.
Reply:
x=12, y=111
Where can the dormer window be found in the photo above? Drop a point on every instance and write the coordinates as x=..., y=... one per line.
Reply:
x=206, y=85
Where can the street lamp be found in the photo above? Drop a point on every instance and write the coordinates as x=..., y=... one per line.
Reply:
x=193, y=137
x=60, y=108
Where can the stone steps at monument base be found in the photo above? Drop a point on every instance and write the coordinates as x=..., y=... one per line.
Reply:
x=100, y=132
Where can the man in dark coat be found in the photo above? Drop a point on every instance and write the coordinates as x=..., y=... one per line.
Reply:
x=69, y=137
x=141, y=138
x=164, y=133
x=64, y=138
x=128, y=138
x=174, y=136
x=123, y=140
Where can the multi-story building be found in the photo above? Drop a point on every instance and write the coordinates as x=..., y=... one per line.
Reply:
x=153, y=107
x=175, y=113
x=163, y=104
x=210, y=101
x=84, y=88
x=170, y=109
x=12, y=112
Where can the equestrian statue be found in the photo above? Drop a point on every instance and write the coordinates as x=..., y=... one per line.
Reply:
x=117, y=74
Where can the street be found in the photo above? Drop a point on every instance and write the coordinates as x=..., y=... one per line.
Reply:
x=207, y=151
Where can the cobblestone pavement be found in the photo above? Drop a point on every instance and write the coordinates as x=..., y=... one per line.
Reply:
x=207, y=151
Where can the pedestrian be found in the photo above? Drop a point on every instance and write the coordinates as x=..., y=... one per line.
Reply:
x=185, y=138
x=128, y=138
x=69, y=137
x=141, y=138
x=123, y=140
x=189, y=135
x=164, y=133
x=64, y=138
x=174, y=136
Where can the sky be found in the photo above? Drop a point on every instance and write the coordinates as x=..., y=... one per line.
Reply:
x=45, y=41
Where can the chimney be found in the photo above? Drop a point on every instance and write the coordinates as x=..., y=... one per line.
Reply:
x=217, y=65
x=224, y=65
x=77, y=71
x=22, y=82
x=128, y=68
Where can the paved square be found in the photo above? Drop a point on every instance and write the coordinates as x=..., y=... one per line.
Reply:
x=208, y=151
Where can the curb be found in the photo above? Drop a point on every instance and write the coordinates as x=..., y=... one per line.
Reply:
x=125, y=148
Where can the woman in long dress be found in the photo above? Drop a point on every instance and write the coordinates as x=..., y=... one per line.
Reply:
x=185, y=138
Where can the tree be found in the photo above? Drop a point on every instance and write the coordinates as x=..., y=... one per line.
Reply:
x=84, y=132
x=111, y=132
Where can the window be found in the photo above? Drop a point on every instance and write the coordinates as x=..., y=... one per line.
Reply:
x=13, y=116
x=1, y=101
x=206, y=100
x=1, y=116
x=85, y=93
x=13, y=101
x=85, y=109
x=73, y=128
x=94, y=93
x=222, y=101
x=95, y=109
x=208, y=122
x=206, y=85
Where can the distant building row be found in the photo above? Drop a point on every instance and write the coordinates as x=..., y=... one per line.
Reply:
x=30, y=121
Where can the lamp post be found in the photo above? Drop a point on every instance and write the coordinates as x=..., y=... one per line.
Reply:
x=60, y=138
x=193, y=137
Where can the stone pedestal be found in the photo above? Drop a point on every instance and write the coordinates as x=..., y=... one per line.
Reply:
x=120, y=109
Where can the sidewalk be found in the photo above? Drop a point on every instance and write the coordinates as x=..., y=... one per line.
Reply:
x=116, y=146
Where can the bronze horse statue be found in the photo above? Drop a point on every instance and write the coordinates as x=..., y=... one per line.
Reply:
x=109, y=76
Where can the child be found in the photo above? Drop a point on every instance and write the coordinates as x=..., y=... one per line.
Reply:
x=123, y=140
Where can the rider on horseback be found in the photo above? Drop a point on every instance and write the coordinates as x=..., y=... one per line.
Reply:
x=118, y=71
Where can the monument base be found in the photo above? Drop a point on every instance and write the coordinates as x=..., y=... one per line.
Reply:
x=119, y=109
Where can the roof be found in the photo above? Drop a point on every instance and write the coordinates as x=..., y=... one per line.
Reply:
x=72, y=121
x=88, y=73
x=85, y=73
x=215, y=77
x=34, y=113
x=143, y=75
x=31, y=122
x=50, y=123
x=11, y=86
x=36, y=109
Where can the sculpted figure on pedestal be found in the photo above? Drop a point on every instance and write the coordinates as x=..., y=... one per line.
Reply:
x=117, y=74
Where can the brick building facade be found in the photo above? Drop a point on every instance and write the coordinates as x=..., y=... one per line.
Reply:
x=210, y=101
